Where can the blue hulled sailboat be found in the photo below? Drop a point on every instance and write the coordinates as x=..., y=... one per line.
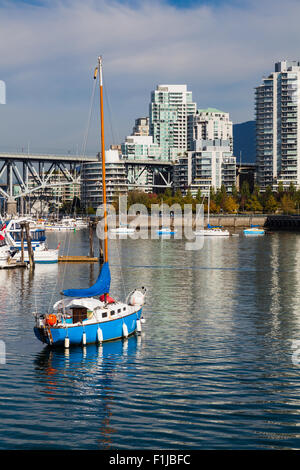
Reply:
x=90, y=315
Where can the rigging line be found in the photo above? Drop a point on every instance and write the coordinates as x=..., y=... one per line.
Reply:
x=55, y=286
x=68, y=250
x=121, y=270
x=85, y=139
x=110, y=115
x=58, y=278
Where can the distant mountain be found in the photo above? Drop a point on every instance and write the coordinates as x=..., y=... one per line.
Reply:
x=244, y=141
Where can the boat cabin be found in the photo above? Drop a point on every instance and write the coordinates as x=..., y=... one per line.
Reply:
x=37, y=235
x=79, y=314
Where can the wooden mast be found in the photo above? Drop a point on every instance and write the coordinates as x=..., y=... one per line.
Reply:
x=103, y=158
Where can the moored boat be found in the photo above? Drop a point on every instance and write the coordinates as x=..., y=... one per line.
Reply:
x=254, y=230
x=86, y=319
x=212, y=230
x=42, y=254
x=165, y=231
x=122, y=229
x=92, y=316
x=6, y=254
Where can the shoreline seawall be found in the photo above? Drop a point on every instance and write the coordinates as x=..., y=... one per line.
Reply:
x=233, y=221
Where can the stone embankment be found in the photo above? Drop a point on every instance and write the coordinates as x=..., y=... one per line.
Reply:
x=234, y=221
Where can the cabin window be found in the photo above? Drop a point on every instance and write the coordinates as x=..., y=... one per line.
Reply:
x=112, y=312
x=124, y=308
x=104, y=314
x=119, y=310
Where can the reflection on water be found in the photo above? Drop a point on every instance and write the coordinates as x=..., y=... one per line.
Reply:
x=213, y=368
x=86, y=373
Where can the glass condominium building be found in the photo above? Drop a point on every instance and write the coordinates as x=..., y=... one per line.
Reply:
x=170, y=107
x=277, y=110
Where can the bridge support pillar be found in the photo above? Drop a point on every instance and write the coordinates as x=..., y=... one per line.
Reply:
x=11, y=206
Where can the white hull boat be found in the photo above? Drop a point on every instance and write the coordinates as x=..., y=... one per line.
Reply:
x=6, y=254
x=212, y=232
x=124, y=229
x=42, y=254
x=59, y=228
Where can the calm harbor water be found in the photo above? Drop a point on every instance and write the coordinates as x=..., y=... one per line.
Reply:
x=213, y=368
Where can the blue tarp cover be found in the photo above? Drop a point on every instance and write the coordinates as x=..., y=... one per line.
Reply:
x=100, y=287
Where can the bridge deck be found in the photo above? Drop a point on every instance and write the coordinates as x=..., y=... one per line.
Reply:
x=77, y=158
x=48, y=158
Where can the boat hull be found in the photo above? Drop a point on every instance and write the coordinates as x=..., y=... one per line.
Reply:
x=212, y=233
x=111, y=330
x=122, y=230
x=41, y=256
x=165, y=232
x=254, y=232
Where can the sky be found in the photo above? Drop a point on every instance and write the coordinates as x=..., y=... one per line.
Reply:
x=48, y=48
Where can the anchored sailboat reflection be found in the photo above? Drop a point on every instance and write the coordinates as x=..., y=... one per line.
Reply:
x=88, y=374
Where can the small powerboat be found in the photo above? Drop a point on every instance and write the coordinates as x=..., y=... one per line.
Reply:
x=254, y=230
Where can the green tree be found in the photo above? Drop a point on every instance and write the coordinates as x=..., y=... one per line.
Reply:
x=213, y=208
x=245, y=194
x=188, y=199
x=256, y=190
x=230, y=205
x=178, y=199
x=221, y=196
x=167, y=194
x=91, y=211
x=212, y=193
x=198, y=196
x=280, y=189
x=271, y=204
x=287, y=204
x=268, y=191
x=234, y=192
x=245, y=189
x=292, y=190
x=253, y=204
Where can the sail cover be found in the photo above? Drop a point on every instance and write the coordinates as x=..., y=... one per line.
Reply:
x=100, y=287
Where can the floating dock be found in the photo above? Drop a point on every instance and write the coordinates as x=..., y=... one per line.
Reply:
x=77, y=259
x=14, y=265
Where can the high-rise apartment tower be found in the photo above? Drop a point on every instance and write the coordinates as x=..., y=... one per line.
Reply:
x=277, y=103
x=169, y=110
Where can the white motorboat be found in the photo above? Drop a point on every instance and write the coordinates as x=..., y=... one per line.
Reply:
x=122, y=229
x=12, y=232
x=5, y=253
x=66, y=224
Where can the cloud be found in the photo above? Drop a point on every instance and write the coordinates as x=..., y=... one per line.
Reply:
x=48, y=52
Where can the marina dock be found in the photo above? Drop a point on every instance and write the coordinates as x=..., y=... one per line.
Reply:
x=77, y=259
x=14, y=265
